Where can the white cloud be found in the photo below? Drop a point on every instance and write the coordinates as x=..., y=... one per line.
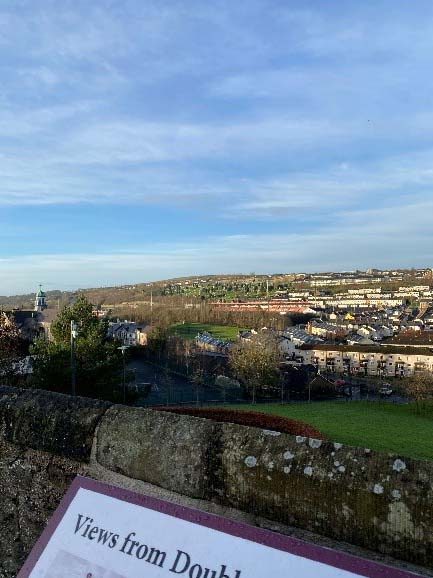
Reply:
x=41, y=74
x=146, y=142
x=331, y=190
x=383, y=237
x=335, y=190
x=16, y=123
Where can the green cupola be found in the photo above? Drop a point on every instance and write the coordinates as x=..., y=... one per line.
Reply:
x=40, y=300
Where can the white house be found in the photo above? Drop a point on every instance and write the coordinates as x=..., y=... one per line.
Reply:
x=128, y=332
x=367, y=360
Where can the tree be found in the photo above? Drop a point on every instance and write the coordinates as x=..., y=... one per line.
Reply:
x=9, y=349
x=157, y=342
x=80, y=312
x=198, y=379
x=98, y=361
x=255, y=363
x=167, y=382
x=419, y=388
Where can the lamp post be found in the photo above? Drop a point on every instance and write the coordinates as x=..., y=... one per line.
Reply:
x=123, y=348
x=74, y=333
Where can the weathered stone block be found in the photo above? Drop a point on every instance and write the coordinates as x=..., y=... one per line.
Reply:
x=55, y=423
x=32, y=483
x=171, y=451
x=378, y=501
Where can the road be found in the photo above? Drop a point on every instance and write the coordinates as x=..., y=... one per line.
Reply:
x=179, y=389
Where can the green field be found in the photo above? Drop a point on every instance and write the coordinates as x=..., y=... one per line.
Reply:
x=190, y=330
x=381, y=426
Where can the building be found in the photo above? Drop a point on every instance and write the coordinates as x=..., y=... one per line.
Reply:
x=206, y=342
x=300, y=337
x=35, y=323
x=356, y=339
x=376, y=360
x=128, y=333
x=326, y=330
x=40, y=300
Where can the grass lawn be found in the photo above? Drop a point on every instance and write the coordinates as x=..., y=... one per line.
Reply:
x=381, y=426
x=190, y=330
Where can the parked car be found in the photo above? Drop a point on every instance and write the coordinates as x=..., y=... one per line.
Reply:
x=385, y=391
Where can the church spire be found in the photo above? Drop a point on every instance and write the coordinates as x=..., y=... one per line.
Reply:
x=40, y=300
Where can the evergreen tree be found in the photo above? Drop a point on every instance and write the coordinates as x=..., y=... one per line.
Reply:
x=98, y=361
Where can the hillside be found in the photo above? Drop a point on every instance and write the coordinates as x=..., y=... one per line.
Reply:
x=141, y=292
x=207, y=288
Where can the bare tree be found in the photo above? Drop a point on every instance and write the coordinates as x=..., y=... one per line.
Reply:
x=198, y=379
x=255, y=363
x=419, y=388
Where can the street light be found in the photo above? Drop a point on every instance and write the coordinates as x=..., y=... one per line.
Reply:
x=123, y=348
x=74, y=333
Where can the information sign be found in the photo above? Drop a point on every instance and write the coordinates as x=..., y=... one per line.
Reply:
x=100, y=531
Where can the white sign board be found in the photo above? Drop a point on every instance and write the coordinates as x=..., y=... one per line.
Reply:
x=100, y=531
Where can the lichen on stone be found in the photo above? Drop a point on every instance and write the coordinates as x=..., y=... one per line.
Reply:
x=398, y=465
x=288, y=455
x=271, y=432
x=250, y=461
x=378, y=489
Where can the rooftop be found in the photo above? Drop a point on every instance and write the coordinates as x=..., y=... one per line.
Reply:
x=381, y=349
x=419, y=338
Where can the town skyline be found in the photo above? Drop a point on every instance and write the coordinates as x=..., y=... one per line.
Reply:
x=319, y=278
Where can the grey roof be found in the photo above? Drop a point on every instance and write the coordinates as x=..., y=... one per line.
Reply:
x=295, y=332
x=210, y=340
x=358, y=338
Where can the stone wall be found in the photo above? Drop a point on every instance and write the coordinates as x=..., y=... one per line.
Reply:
x=376, y=501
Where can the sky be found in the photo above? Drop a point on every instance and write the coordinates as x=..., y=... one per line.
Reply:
x=142, y=140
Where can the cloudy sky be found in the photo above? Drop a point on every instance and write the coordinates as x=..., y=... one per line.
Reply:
x=147, y=139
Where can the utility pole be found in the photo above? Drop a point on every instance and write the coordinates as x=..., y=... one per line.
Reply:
x=267, y=293
x=74, y=333
x=123, y=348
x=151, y=307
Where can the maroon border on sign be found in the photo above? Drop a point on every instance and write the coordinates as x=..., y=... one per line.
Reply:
x=327, y=556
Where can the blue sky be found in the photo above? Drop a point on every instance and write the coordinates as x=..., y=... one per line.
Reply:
x=142, y=140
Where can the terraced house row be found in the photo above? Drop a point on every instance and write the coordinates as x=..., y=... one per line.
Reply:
x=384, y=361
